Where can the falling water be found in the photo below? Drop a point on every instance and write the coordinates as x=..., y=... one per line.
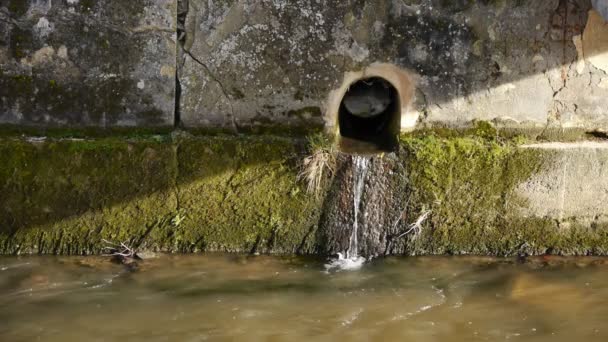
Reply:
x=350, y=260
x=359, y=211
x=360, y=165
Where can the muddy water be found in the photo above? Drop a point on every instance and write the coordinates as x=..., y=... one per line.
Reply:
x=238, y=298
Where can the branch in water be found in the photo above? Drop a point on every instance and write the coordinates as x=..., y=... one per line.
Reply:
x=119, y=250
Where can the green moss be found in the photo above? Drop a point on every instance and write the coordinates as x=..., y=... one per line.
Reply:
x=528, y=134
x=293, y=130
x=18, y=7
x=468, y=183
x=65, y=195
x=305, y=111
x=211, y=193
x=485, y=130
x=241, y=193
x=251, y=196
x=129, y=133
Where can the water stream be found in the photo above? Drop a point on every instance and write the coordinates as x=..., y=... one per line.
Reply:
x=350, y=259
x=360, y=166
x=263, y=298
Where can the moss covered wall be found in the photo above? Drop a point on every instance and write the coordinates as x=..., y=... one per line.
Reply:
x=183, y=193
x=159, y=192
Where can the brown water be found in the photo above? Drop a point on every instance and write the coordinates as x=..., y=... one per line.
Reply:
x=238, y=298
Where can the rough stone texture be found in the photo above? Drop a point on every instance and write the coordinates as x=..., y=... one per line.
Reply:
x=185, y=194
x=157, y=193
x=87, y=63
x=573, y=184
x=595, y=41
x=252, y=63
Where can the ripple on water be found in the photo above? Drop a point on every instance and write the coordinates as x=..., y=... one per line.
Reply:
x=260, y=298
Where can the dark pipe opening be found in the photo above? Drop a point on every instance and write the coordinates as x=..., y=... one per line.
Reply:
x=369, y=116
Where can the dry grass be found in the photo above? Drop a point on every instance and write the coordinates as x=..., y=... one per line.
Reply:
x=320, y=165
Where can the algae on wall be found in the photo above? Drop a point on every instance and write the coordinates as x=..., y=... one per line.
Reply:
x=469, y=183
x=190, y=194
x=242, y=195
x=64, y=196
x=184, y=193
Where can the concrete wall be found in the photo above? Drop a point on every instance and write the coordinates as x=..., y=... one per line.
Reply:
x=519, y=63
x=87, y=63
x=259, y=63
x=252, y=65
x=181, y=193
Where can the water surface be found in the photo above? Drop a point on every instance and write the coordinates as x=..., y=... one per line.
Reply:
x=242, y=298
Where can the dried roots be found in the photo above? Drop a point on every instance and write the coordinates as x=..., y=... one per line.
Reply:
x=121, y=250
x=319, y=165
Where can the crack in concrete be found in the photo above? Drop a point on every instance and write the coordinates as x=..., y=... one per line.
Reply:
x=221, y=86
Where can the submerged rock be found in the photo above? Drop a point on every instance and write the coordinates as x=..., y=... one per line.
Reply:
x=551, y=296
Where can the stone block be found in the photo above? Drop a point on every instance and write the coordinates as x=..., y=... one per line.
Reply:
x=87, y=63
x=249, y=63
x=573, y=183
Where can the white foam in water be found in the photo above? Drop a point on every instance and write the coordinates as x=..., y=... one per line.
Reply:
x=345, y=264
x=353, y=261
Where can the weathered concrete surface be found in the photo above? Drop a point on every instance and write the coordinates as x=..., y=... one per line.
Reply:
x=251, y=64
x=166, y=193
x=595, y=42
x=87, y=63
x=184, y=193
x=255, y=63
x=572, y=185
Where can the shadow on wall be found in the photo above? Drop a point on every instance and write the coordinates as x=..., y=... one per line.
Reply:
x=473, y=59
x=73, y=192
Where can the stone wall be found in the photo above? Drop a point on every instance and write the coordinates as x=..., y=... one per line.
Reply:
x=87, y=63
x=261, y=65
x=252, y=64
x=519, y=63
x=183, y=193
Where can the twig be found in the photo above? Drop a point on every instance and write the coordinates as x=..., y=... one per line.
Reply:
x=414, y=227
x=119, y=250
